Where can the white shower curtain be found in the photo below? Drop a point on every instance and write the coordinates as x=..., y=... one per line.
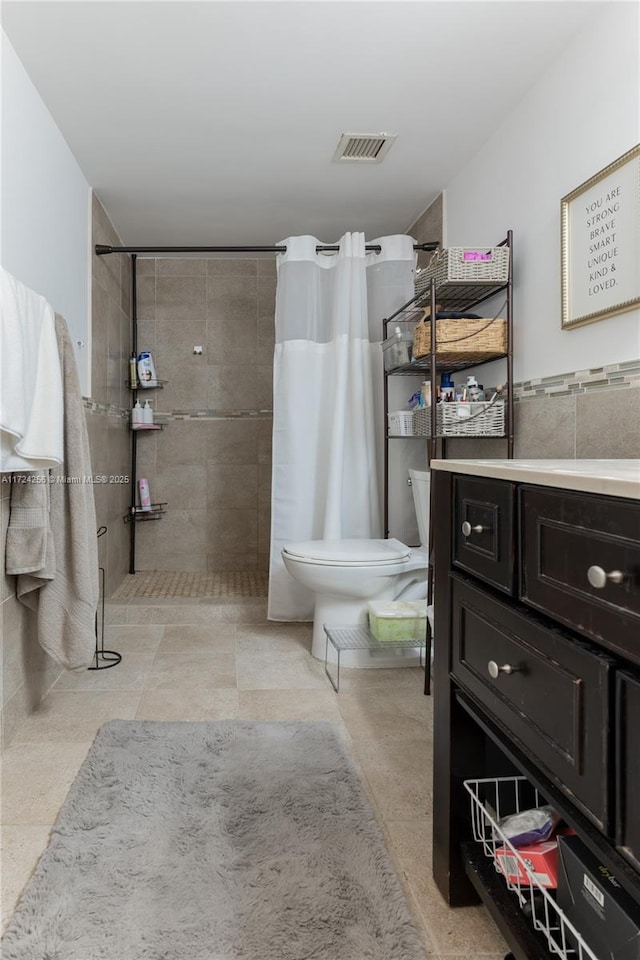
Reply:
x=328, y=388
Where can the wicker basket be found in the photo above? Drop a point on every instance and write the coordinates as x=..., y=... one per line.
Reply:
x=475, y=265
x=461, y=420
x=422, y=421
x=477, y=420
x=462, y=341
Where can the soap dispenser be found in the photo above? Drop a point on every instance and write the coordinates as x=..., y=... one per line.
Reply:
x=137, y=416
x=147, y=414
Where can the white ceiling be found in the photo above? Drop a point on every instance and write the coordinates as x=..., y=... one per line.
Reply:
x=216, y=122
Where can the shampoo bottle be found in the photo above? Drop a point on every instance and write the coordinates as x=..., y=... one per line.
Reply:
x=146, y=370
x=145, y=495
x=133, y=373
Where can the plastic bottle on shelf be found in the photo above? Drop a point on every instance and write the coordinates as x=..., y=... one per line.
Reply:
x=145, y=495
x=146, y=370
x=137, y=416
x=447, y=387
x=147, y=413
x=133, y=372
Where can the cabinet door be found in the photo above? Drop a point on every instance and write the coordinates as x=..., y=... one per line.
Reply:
x=627, y=777
x=483, y=530
x=548, y=691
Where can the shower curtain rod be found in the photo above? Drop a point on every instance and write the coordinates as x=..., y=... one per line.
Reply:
x=102, y=249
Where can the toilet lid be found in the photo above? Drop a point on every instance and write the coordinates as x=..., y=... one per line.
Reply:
x=358, y=552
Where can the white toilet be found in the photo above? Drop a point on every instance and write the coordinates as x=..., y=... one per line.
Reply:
x=345, y=574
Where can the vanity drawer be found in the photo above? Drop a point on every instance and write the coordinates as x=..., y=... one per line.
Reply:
x=627, y=777
x=483, y=530
x=570, y=543
x=551, y=693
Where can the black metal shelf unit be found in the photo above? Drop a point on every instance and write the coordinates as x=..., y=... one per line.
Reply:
x=449, y=296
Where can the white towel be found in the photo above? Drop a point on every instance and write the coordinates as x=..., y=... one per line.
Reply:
x=31, y=409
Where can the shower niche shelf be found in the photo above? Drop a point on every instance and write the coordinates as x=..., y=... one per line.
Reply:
x=157, y=511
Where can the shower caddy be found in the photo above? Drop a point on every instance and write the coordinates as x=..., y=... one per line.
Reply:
x=449, y=283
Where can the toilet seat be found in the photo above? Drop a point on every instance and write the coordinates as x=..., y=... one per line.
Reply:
x=348, y=553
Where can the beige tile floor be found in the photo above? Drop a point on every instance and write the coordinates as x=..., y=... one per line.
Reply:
x=227, y=668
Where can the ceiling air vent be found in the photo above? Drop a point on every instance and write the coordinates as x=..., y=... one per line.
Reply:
x=363, y=147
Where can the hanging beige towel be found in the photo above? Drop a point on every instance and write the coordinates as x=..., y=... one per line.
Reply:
x=29, y=539
x=65, y=605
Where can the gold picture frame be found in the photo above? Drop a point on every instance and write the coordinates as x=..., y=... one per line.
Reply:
x=600, y=244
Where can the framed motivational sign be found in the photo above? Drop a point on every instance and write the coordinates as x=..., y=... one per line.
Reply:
x=600, y=244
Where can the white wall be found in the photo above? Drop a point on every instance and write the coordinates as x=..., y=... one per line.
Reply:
x=45, y=206
x=582, y=114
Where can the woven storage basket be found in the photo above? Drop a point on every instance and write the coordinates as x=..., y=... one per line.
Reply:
x=462, y=341
x=466, y=265
x=480, y=419
x=422, y=421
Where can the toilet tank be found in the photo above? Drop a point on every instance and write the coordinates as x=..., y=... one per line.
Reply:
x=421, y=489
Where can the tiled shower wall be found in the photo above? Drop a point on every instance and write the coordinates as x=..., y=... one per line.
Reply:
x=212, y=461
x=107, y=408
x=588, y=414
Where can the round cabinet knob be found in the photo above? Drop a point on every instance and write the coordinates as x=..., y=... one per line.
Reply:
x=598, y=577
x=495, y=669
x=467, y=529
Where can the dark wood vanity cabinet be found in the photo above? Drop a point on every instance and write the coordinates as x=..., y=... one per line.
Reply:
x=536, y=673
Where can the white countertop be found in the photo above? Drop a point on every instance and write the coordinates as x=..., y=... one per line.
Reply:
x=613, y=478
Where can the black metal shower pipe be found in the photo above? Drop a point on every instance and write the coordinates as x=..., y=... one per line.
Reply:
x=102, y=249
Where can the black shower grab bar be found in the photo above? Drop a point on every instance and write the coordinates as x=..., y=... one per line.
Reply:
x=103, y=249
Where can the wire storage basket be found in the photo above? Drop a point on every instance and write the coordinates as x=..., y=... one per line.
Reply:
x=492, y=799
x=462, y=341
x=401, y=423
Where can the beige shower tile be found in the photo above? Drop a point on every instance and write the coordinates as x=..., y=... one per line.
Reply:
x=180, y=704
x=180, y=267
x=186, y=374
x=36, y=778
x=230, y=388
x=267, y=267
x=245, y=610
x=180, y=299
x=22, y=847
x=232, y=441
x=274, y=638
x=546, y=428
x=362, y=679
x=265, y=439
x=192, y=640
x=146, y=304
x=289, y=704
x=235, y=527
x=133, y=639
x=130, y=674
x=399, y=774
x=608, y=424
x=146, y=266
x=231, y=268
x=277, y=671
x=180, y=485
x=387, y=714
x=232, y=485
x=184, y=443
x=192, y=671
x=232, y=321
x=75, y=715
x=222, y=561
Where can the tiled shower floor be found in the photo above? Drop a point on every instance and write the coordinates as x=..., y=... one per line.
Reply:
x=165, y=586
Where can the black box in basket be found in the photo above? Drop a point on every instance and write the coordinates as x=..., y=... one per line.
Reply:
x=594, y=902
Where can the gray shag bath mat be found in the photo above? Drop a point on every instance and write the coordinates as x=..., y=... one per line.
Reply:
x=214, y=841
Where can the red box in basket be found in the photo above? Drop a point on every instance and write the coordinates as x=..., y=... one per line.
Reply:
x=540, y=858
